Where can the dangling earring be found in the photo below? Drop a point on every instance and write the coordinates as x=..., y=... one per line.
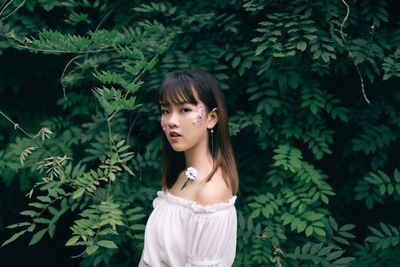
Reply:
x=212, y=141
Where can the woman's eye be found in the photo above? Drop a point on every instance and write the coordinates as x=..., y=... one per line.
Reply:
x=185, y=110
x=164, y=111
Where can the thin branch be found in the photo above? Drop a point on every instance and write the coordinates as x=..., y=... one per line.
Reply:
x=16, y=126
x=15, y=10
x=112, y=144
x=132, y=124
x=1, y=5
x=4, y=8
x=345, y=18
x=350, y=53
x=79, y=255
x=372, y=30
x=104, y=18
x=63, y=73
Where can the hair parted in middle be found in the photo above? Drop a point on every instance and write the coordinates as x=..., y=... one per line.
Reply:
x=181, y=87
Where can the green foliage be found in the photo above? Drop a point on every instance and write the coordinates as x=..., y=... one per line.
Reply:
x=320, y=255
x=375, y=187
x=387, y=237
x=287, y=157
x=306, y=142
x=373, y=138
x=391, y=65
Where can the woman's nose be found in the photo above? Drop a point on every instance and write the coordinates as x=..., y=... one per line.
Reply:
x=173, y=120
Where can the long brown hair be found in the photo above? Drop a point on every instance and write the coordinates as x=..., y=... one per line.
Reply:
x=180, y=87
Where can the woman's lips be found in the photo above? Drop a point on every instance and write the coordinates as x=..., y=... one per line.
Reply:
x=174, y=136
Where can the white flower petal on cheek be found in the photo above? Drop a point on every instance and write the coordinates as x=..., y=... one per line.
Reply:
x=200, y=114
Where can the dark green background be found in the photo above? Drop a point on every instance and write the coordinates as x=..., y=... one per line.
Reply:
x=289, y=81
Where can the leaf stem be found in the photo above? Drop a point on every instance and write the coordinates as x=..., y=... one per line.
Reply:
x=350, y=53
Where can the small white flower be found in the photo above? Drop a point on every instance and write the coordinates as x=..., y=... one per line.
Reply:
x=191, y=173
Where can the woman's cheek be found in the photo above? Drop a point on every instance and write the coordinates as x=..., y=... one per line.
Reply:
x=163, y=123
x=199, y=115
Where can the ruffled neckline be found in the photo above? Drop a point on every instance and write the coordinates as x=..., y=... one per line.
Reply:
x=196, y=207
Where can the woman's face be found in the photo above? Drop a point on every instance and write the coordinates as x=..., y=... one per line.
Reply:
x=185, y=125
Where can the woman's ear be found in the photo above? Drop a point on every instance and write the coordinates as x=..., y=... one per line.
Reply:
x=212, y=118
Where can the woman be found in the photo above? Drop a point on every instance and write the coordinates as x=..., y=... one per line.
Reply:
x=194, y=219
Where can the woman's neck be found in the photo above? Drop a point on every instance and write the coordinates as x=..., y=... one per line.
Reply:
x=200, y=159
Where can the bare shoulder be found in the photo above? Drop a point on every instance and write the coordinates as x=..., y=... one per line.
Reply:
x=215, y=191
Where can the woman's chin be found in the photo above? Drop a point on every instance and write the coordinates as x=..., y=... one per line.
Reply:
x=177, y=148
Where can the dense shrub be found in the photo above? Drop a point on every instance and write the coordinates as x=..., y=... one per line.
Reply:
x=312, y=93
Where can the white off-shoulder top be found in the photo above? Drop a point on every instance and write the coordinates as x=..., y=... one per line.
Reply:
x=182, y=233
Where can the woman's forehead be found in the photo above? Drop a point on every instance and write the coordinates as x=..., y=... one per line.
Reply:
x=178, y=93
x=179, y=97
x=179, y=104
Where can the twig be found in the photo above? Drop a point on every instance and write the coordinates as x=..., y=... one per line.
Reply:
x=16, y=126
x=350, y=53
x=79, y=255
x=104, y=18
x=15, y=10
x=4, y=8
x=1, y=5
x=278, y=251
x=63, y=73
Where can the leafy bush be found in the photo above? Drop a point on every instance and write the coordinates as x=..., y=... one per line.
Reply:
x=311, y=92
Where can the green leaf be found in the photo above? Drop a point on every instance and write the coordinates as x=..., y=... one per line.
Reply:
x=373, y=239
x=78, y=193
x=48, y=4
x=41, y=220
x=136, y=217
x=53, y=210
x=255, y=213
x=346, y=234
x=375, y=231
x=12, y=226
x=309, y=230
x=37, y=205
x=91, y=249
x=397, y=175
x=333, y=223
x=320, y=231
x=112, y=177
x=52, y=229
x=306, y=248
x=335, y=255
x=301, y=46
x=347, y=227
x=236, y=61
x=37, y=236
x=72, y=241
x=31, y=228
x=341, y=240
x=30, y=213
x=13, y=238
x=385, y=229
x=301, y=226
x=45, y=199
x=138, y=227
x=106, y=244
x=343, y=261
